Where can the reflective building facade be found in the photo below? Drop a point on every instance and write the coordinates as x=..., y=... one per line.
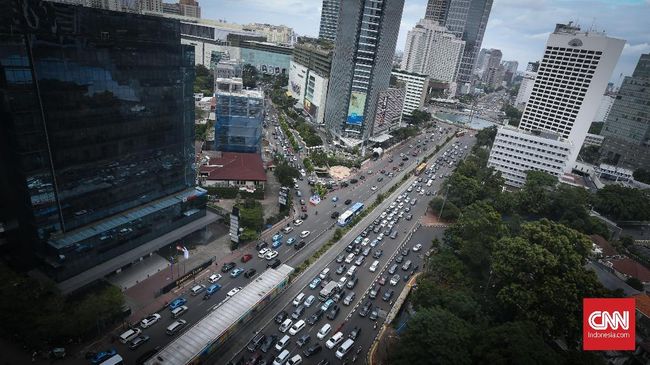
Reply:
x=98, y=130
x=239, y=117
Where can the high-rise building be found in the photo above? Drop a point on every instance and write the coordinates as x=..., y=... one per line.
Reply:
x=605, y=107
x=114, y=5
x=365, y=45
x=309, y=77
x=466, y=19
x=239, y=116
x=432, y=50
x=329, y=18
x=525, y=89
x=98, y=140
x=416, y=90
x=190, y=8
x=566, y=93
x=510, y=70
x=627, y=127
x=492, y=63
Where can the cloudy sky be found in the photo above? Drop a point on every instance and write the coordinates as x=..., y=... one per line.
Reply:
x=518, y=27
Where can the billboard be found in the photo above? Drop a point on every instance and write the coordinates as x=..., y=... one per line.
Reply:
x=310, y=108
x=357, y=105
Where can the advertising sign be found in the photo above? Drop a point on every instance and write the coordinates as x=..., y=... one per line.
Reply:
x=310, y=108
x=234, y=225
x=609, y=324
x=355, y=111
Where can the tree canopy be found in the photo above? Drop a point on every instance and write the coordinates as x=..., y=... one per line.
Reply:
x=419, y=117
x=642, y=175
x=623, y=204
x=285, y=173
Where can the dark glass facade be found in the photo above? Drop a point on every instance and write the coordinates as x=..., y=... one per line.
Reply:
x=98, y=107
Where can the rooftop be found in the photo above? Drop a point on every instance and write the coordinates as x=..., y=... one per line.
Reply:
x=643, y=303
x=631, y=268
x=234, y=166
x=601, y=242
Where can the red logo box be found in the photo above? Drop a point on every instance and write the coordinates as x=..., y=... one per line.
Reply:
x=608, y=324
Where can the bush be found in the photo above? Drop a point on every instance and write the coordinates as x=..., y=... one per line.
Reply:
x=232, y=192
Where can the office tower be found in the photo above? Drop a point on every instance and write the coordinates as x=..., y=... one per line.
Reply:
x=510, y=70
x=365, y=45
x=239, y=116
x=99, y=125
x=432, y=50
x=566, y=93
x=492, y=64
x=627, y=128
x=467, y=20
x=309, y=74
x=525, y=89
x=329, y=19
x=416, y=90
x=605, y=107
x=532, y=66
x=389, y=111
x=190, y=8
x=114, y=5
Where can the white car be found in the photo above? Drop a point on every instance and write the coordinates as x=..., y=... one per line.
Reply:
x=263, y=252
x=365, y=242
x=334, y=340
x=234, y=291
x=214, y=278
x=380, y=236
x=349, y=259
x=374, y=265
x=149, y=321
x=297, y=222
x=304, y=234
x=271, y=255
x=373, y=188
x=417, y=247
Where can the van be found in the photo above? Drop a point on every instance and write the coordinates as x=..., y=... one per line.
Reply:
x=176, y=326
x=345, y=348
x=179, y=311
x=352, y=270
x=285, y=325
x=196, y=290
x=297, y=327
x=284, y=341
x=407, y=265
x=298, y=299
x=282, y=358
x=130, y=334
x=324, y=331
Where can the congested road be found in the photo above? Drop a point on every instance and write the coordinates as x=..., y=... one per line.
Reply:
x=348, y=316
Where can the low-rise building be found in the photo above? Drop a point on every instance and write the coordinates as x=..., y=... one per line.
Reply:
x=231, y=169
x=593, y=140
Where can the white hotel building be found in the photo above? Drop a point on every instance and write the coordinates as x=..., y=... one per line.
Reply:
x=566, y=94
x=416, y=90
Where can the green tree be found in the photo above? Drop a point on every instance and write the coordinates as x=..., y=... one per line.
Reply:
x=642, y=175
x=450, y=211
x=486, y=136
x=590, y=154
x=635, y=283
x=534, y=198
x=419, y=117
x=623, y=204
x=249, y=76
x=596, y=127
x=203, y=80
x=429, y=294
x=434, y=336
x=285, y=173
x=463, y=190
x=446, y=269
x=512, y=114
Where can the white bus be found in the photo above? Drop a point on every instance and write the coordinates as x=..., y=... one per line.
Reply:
x=347, y=216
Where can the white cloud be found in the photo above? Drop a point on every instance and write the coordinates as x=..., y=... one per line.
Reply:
x=636, y=49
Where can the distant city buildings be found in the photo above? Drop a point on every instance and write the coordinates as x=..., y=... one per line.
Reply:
x=493, y=72
x=239, y=116
x=566, y=93
x=365, y=45
x=309, y=74
x=187, y=8
x=329, y=18
x=154, y=6
x=98, y=144
x=432, y=50
x=278, y=34
x=466, y=19
x=416, y=90
x=228, y=69
x=509, y=70
x=627, y=127
x=526, y=86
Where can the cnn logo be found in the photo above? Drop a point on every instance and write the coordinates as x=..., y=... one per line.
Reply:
x=608, y=324
x=601, y=320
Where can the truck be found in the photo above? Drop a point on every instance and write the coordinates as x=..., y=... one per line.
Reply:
x=377, y=153
x=329, y=291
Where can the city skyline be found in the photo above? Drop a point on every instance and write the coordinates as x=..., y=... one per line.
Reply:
x=518, y=27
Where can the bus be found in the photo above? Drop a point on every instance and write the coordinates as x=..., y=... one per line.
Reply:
x=115, y=360
x=420, y=169
x=347, y=216
x=329, y=290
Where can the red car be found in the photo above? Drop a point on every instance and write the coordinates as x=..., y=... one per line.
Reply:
x=246, y=258
x=303, y=208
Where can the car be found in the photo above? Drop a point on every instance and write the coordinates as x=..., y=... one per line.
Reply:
x=348, y=201
x=228, y=266
x=382, y=280
x=341, y=269
x=236, y=272
x=270, y=255
x=374, y=313
x=338, y=296
x=399, y=259
x=256, y=342
x=417, y=247
x=250, y=273
x=377, y=254
x=335, y=215
x=150, y=320
x=177, y=303
x=260, y=245
x=303, y=340
x=340, y=258
x=373, y=266
x=388, y=294
x=246, y=258
x=280, y=317
x=302, y=202
x=303, y=208
x=359, y=261
x=103, y=355
x=362, y=177
x=312, y=350
x=277, y=237
x=276, y=244
x=214, y=278
x=333, y=312
x=365, y=309
x=334, y=340
x=374, y=292
x=282, y=343
x=263, y=252
x=304, y=216
x=327, y=305
x=234, y=291
x=348, y=300
x=394, y=280
x=349, y=259
x=268, y=343
x=356, y=331
x=380, y=236
x=298, y=312
x=392, y=269
x=297, y=222
x=304, y=234
x=374, y=188
x=366, y=251
x=405, y=252
x=393, y=234
x=299, y=245
x=315, y=283
x=352, y=282
x=274, y=264
x=374, y=242
x=309, y=301
x=315, y=317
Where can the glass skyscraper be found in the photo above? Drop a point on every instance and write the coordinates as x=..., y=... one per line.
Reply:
x=365, y=46
x=329, y=18
x=98, y=116
x=467, y=20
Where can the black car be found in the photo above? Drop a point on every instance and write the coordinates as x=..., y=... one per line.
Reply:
x=299, y=245
x=405, y=158
x=345, y=184
x=338, y=296
x=315, y=317
x=354, y=181
x=357, y=250
x=303, y=216
x=350, y=247
x=313, y=350
x=347, y=202
x=260, y=245
x=281, y=317
x=268, y=343
x=256, y=342
x=377, y=254
x=362, y=177
x=401, y=163
x=399, y=259
x=374, y=292
x=341, y=269
x=366, y=308
x=374, y=314
x=274, y=264
x=388, y=295
x=335, y=215
x=405, y=251
x=333, y=312
x=303, y=340
x=354, y=334
x=249, y=274
x=228, y=266
x=380, y=179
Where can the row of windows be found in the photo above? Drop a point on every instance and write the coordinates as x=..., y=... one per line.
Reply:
x=532, y=141
x=517, y=151
x=510, y=161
